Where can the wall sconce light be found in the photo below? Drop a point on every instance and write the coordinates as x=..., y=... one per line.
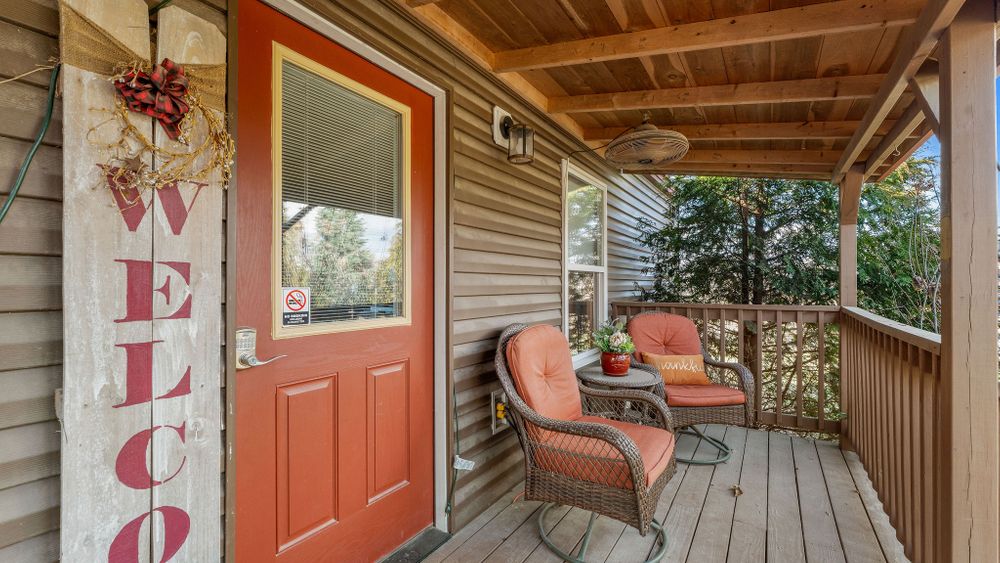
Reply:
x=520, y=141
x=517, y=137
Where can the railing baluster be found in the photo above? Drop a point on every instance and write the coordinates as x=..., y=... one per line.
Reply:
x=820, y=371
x=740, y=337
x=799, y=388
x=722, y=335
x=758, y=365
x=779, y=340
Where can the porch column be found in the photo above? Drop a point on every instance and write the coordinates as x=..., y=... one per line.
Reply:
x=968, y=491
x=850, y=198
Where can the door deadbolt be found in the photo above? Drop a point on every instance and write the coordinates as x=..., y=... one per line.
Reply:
x=246, y=349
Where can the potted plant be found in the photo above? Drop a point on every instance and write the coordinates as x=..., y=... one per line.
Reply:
x=616, y=348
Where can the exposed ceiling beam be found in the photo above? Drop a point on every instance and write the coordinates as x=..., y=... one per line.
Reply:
x=777, y=25
x=919, y=41
x=905, y=156
x=904, y=126
x=924, y=85
x=746, y=156
x=785, y=175
x=738, y=169
x=782, y=91
x=750, y=131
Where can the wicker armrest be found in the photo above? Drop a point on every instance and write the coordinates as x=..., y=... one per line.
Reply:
x=621, y=405
x=744, y=377
x=602, y=439
x=645, y=367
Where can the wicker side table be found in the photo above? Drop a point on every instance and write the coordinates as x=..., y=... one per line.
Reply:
x=636, y=379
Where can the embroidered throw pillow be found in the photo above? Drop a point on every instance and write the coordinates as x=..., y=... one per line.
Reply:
x=679, y=370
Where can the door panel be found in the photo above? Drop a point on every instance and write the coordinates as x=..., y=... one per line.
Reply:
x=334, y=442
x=306, y=452
x=388, y=428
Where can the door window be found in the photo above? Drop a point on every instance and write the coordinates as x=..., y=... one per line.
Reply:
x=341, y=167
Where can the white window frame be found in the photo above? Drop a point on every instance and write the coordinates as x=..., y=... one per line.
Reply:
x=583, y=358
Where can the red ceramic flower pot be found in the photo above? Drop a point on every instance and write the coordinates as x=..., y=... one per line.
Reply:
x=615, y=364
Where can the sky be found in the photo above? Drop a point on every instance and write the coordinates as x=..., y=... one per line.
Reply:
x=933, y=147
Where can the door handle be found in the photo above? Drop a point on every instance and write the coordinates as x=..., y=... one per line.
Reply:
x=250, y=361
x=246, y=349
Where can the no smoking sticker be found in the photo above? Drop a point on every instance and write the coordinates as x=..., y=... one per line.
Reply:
x=295, y=306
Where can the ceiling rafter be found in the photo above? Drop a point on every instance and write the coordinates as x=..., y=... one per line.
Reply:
x=781, y=91
x=750, y=131
x=776, y=25
x=910, y=56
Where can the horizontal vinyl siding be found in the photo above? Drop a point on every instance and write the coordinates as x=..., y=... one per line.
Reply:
x=506, y=233
x=30, y=290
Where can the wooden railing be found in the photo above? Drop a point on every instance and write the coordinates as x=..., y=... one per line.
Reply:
x=791, y=350
x=890, y=385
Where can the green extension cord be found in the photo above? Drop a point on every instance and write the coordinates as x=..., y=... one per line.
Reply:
x=34, y=147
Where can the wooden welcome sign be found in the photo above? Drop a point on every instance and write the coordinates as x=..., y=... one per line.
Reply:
x=142, y=295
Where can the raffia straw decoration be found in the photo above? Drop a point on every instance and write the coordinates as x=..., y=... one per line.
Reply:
x=127, y=166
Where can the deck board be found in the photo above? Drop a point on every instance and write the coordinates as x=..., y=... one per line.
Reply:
x=784, y=520
x=819, y=527
x=748, y=540
x=711, y=540
x=799, y=497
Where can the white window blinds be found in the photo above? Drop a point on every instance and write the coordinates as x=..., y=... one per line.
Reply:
x=338, y=148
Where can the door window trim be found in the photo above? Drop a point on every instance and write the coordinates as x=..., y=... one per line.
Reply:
x=280, y=54
x=583, y=358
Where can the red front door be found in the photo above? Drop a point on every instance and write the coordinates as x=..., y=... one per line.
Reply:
x=334, y=270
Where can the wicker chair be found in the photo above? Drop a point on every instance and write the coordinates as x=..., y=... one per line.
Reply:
x=728, y=400
x=608, y=452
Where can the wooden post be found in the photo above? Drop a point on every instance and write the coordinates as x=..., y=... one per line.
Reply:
x=850, y=199
x=969, y=454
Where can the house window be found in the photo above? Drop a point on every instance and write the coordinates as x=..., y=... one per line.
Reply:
x=584, y=259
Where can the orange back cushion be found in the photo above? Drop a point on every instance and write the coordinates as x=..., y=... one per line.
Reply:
x=664, y=334
x=679, y=369
x=540, y=364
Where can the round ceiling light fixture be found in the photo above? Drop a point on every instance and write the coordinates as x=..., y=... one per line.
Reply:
x=646, y=147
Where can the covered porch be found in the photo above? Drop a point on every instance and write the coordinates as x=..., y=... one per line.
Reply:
x=779, y=498
x=842, y=92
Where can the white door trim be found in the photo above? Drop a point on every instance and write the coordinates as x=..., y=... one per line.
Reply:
x=319, y=24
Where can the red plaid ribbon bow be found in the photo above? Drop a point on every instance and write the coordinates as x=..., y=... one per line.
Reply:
x=159, y=94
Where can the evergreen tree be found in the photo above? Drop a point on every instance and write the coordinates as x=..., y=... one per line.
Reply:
x=342, y=264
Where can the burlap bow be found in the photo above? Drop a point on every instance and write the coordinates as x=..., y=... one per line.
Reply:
x=158, y=94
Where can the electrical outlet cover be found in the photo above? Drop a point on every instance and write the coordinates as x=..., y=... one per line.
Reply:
x=498, y=115
x=497, y=425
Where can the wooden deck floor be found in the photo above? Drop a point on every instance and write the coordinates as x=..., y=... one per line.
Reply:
x=801, y=500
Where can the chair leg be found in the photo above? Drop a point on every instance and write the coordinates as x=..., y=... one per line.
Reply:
x=724, y=450
x=581, y=553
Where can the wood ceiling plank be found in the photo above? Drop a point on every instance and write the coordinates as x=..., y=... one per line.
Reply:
x=751, y=131
x=913, y=51
x=785, y=91
x=792, y=23
x=441, y=22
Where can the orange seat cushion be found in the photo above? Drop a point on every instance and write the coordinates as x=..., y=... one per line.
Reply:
x=703, y=396
x=664, y=334
x=590, y=459
x=542, y=370
x=679, y=370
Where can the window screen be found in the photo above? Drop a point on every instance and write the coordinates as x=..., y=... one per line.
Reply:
x=342, y=198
